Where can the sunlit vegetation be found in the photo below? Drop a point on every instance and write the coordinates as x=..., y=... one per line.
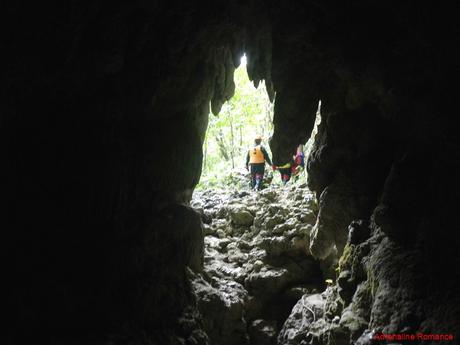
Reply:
x=231, y=134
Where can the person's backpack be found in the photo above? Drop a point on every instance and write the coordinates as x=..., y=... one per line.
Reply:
x=256, y=155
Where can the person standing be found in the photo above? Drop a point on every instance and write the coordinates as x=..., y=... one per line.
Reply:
x=292, y=168
x=285, y=172
x=299, y=162
x=255, y=163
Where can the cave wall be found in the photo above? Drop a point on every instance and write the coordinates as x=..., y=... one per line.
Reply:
x=102, y=127
x=377, y=159
x=103, y=112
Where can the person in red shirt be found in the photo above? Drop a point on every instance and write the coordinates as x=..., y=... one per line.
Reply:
x=299, y=162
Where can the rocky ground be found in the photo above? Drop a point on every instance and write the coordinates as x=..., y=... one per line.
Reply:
x=257, y=264
x=261, y=285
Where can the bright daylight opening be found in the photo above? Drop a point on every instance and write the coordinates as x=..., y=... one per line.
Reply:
x=231, y=135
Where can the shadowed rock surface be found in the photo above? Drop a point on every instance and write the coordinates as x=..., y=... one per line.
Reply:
x=103, y=111
x=257, y=267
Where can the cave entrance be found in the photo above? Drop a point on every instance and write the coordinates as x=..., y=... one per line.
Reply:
x=249, y=113
x=257, y=263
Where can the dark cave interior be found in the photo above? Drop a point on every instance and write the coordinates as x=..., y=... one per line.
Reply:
x=103, y=114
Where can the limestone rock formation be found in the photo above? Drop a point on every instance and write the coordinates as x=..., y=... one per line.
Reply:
x=254, y=271
x=103, y=113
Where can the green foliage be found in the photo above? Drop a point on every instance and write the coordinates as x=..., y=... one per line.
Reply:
x=231, y=133
x=346, y=260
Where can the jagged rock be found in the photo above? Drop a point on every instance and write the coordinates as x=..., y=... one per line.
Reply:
x=355, y=317
x=271, y=222
x=237, y=256
x=224, y=243
x=308, y=216
x=275, y=209
x=103, y=119
x=358, y=231
x=269, y=194
x=329, y=266
x=275, y=246
x=222, y=213
x=334, y=215
x=334, y=306
x=222, y=307
x=296, y=292
x=262, y=332
x=208, y=230
x=302, y=231
x=220, y=233
x=331, y=333
x=258, y=264
x=211, y=242
x=240, y=216
x=270, y=258
x=352, y=324
x=298, y=245
x=238, y=230
x=268, y=281
x=321, y=241
x=310, y=203
x=346, y=286
x=259, y=219
x=244, y=245
x=281, y=228
x=292, y=222
x=307, y=310
x=220, y=223
x=366, y=338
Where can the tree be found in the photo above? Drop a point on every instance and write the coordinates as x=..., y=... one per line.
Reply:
x=229, y=134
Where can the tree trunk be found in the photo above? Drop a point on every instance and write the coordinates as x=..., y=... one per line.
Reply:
x=205, y=153
x=232, y=143
x=222, y=147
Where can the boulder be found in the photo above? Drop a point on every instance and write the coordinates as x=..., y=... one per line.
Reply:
x=222, y=307
x=358, y=231
x=268, y=281
x=307, y=310
x=275, y=246
x=223, y=243
x=208, y=230
x=278, y=209
x=352, y=324
x=269, y=194
x=241, y=216
x=301, y=231
x=271, y=222
x=237, y=256
x=263, y=247
x=220, y=223
x=262, y=332
x=346, y=286
x=307, y=216
x=298, y=246
x=280, y=229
